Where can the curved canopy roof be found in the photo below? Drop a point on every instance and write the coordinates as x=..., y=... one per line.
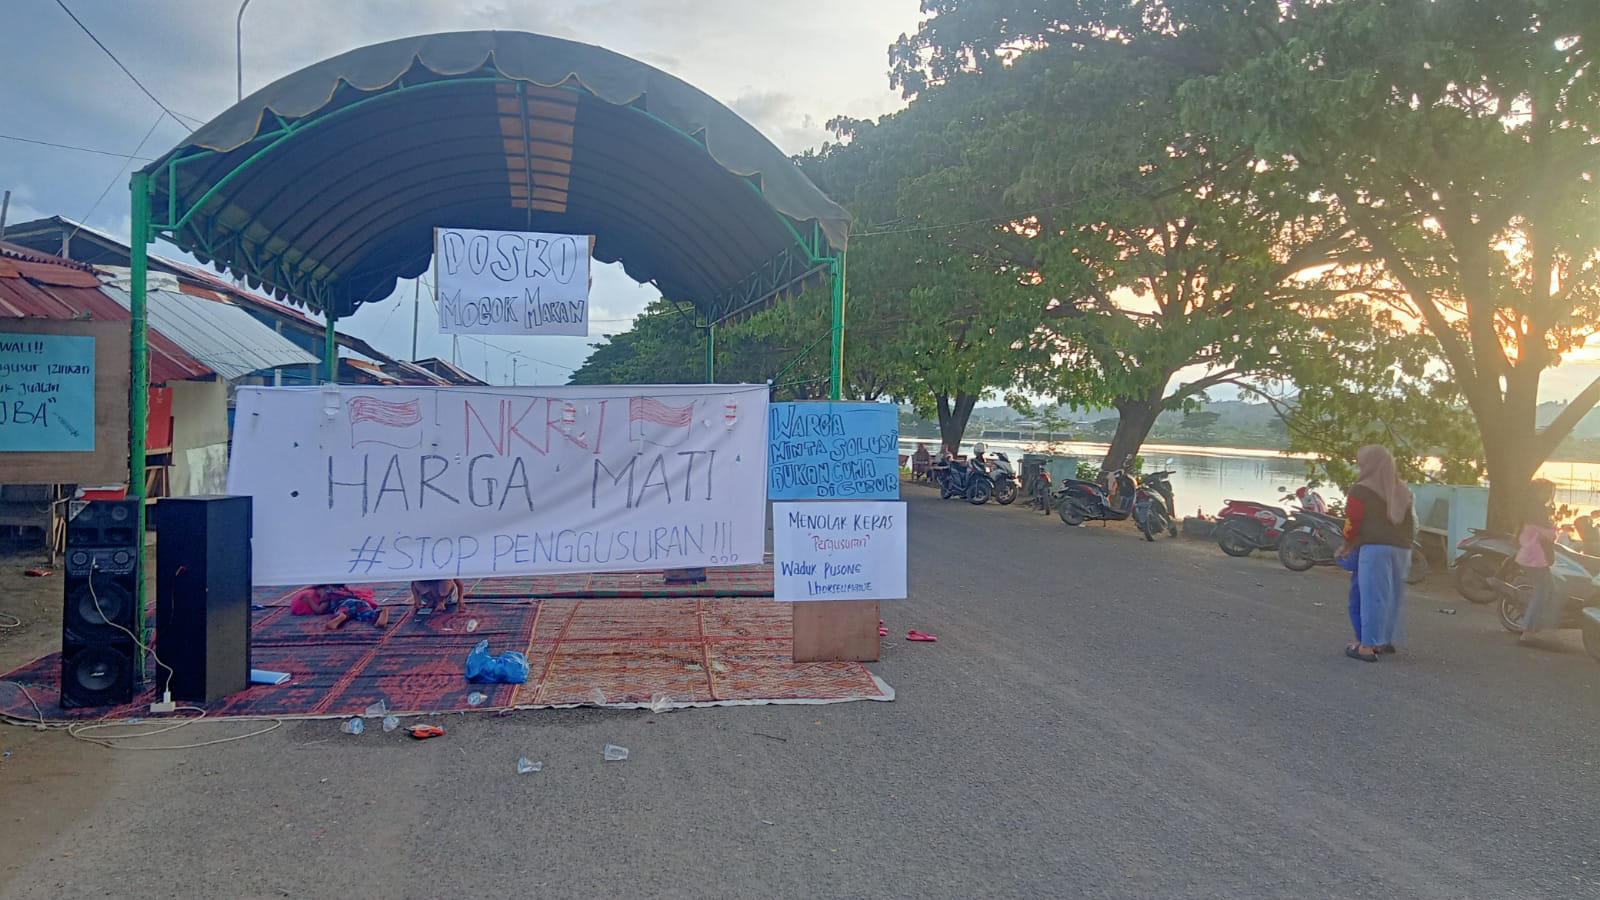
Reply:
x=325, y=186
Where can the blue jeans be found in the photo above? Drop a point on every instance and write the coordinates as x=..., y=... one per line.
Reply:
x=1381, y=582
x=1348, y=563
x=1543, y=611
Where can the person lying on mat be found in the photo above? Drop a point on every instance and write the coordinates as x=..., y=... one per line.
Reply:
x=438, y=593
x=344, y=602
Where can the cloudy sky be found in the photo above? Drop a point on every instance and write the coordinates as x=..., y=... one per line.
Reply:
x=785, y=66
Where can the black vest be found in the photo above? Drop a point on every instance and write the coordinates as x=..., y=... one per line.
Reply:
x=1376, y=527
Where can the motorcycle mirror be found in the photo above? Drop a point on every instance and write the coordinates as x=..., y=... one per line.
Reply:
x=1282, y=489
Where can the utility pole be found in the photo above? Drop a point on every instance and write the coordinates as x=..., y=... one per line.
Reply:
x=238, y=52
x=416, y=300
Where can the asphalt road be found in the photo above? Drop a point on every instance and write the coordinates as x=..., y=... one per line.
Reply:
x=1100, y=718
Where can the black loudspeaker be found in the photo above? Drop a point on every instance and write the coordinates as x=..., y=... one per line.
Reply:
x=203, y=595
x=101, y=587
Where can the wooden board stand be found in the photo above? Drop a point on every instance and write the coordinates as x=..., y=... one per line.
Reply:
x=835, y=630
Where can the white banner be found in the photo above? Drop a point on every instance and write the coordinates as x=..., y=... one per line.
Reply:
x=511, y=282
x=839, y=550
x=361, y=484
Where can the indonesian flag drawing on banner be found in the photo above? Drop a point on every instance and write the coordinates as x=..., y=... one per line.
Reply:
x=374, y=421
x=654, y=422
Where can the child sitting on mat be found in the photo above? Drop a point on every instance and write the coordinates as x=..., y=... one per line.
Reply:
x=344, y=602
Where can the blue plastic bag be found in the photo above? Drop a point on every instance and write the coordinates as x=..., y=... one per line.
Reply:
x=510, y=667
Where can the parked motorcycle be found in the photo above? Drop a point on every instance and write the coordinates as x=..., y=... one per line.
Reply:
x=1245, y=526
x=1580, y=591
x=1004, y=478
x=1079, y=501
x=1166, y=506
x=1313, y=539
x=966, y=480
x=1487, y=557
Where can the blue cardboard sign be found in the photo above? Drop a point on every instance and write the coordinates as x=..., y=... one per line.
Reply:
x=833, y=451
x=46, y=392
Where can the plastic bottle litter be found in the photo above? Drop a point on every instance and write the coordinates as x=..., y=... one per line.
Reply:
x=476, y=698
x=660, y=703
x=353, y=725
x=526, y=765
x=377, y=710
x=390, y=723
x=613, y=753
x=472, y=625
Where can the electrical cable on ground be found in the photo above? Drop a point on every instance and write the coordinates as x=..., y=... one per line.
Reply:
x=78, y=730
x=29, y=697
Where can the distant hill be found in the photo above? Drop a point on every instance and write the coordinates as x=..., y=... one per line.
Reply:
x=1588, y=427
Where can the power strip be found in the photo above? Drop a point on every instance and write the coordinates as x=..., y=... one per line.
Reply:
x=166, y=705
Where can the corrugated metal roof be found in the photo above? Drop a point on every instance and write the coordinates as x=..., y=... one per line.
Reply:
x=34, y=284
x=223, y=336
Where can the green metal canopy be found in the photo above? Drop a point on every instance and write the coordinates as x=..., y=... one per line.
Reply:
x=324, y=187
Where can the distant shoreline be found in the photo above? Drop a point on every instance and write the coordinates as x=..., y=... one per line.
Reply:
x=1212, y=449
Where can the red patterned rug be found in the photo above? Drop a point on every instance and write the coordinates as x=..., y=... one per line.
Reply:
x=626, y=652
x=414, y=664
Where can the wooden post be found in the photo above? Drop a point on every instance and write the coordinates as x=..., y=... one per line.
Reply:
x=831, y=630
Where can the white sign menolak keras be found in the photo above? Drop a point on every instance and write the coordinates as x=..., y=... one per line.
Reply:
x=512, y=282
x=839, y=550
x=353, y=484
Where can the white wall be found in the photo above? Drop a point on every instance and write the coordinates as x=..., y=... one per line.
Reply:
x=199, y=437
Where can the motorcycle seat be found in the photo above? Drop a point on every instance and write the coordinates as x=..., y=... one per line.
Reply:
x=1590, y=564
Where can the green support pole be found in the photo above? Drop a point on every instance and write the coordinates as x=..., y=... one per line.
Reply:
x=139, y=386
x=711, y=354
x=330, y=350
x=836, y=369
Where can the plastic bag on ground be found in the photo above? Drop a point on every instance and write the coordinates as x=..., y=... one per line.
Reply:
x=510, y=667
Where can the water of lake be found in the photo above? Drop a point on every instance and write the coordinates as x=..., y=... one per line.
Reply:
x=1206, y=476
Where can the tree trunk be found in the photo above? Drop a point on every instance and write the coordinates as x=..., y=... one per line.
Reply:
x=1135, y=417
x=953, y=415
x=1510, y=463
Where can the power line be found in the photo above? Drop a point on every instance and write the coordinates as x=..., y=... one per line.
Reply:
x=114, y=179
x=546, y=362
x=12, y=137
x=175, y=117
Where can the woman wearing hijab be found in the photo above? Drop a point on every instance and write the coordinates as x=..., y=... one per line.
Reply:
x=1379, y=528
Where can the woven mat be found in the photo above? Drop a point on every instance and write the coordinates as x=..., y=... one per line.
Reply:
x=621, y=652
x=679, y=653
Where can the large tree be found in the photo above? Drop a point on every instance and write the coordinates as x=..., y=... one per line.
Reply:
x=942, y=328
x=1460, y=138
x=662, y=347
x=1158, y=249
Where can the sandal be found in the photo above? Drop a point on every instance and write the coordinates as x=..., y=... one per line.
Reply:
x=920, y=636
x=1355, y=653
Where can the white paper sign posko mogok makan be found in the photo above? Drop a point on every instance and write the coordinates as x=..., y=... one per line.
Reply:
x=369, y=484
x=512, y=282
x=838, y=550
